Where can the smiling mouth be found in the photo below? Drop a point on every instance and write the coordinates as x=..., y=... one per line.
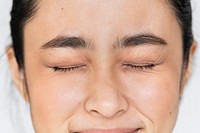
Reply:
x=110, y=131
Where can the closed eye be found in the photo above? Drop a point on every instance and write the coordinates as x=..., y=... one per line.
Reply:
x=68, y=68
x=139, y=67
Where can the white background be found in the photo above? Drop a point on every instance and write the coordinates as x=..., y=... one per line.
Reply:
x=14, y=113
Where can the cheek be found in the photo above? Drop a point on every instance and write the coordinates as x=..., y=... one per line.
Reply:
x=58, y=96
x=158, y=102
x=156, y=96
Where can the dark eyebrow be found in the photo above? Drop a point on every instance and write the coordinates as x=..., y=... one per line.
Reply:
x=66, y=41
x=140, y=39
x=127, y=41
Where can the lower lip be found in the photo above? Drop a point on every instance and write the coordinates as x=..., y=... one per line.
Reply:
x=111, y=131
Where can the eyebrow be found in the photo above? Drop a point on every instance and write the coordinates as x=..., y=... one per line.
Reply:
x=66, y=41
x=140, y=40
x=126, y=41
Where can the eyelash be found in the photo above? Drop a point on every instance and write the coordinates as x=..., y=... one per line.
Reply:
x=74, y=68
x=140, y=67
x=62, y=69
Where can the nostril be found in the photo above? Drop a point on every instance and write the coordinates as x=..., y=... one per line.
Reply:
x=107, y=106
x=94, y=111
x=120, y=112
x=106, y=101
x=107, y=114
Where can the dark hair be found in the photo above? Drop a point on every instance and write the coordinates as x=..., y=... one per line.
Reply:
x=183, y=12
x=24, y=10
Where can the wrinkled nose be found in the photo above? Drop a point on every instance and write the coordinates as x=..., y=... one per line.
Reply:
x=105, y=99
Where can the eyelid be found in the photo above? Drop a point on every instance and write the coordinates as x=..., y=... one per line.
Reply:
x=66, y=68
x=139, y=67
x=144, y=64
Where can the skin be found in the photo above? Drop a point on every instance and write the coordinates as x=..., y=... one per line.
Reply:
x=104, y=92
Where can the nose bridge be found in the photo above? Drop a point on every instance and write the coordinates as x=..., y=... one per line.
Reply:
x=105, y=99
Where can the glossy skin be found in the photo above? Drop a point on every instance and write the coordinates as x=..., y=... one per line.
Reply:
x=108, y=88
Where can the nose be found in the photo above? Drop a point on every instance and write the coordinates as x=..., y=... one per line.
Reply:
x=105, y=99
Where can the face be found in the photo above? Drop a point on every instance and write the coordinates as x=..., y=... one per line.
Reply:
x=103, y=66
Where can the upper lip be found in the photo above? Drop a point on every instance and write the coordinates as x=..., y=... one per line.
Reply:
x=125, y=130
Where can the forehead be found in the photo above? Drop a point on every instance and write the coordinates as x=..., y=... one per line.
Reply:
x=116, y=10
x=100, y=18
